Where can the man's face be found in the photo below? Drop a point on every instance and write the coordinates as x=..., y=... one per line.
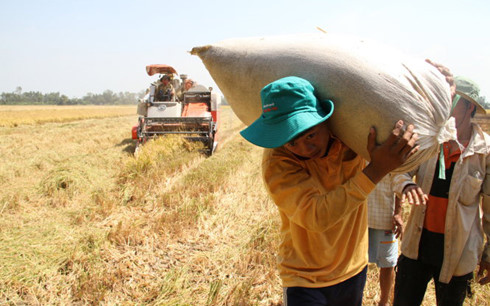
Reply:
x=462, y=111
x=188, y=85
x=312, y=143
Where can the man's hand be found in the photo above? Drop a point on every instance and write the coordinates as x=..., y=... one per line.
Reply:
x=414, y=195
x=398, y=226
x=392, y=153
x=447, y=73
x=484, y=266
x=397, y=220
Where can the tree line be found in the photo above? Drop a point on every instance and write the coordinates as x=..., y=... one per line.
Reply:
x=108, y=97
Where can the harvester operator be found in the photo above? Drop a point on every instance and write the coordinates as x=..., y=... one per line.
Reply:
x=164, y=89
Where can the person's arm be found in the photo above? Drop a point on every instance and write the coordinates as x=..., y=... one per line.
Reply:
x=414, y=195
x=398, y=226
x=407, y=190
x=301, y=197
x=447, y=74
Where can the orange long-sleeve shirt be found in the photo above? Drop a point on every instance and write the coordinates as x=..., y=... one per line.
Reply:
x=323, y=208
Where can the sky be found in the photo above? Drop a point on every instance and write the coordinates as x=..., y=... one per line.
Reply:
x=79, y=47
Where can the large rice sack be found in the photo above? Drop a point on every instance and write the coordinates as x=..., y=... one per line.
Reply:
x=370, y=85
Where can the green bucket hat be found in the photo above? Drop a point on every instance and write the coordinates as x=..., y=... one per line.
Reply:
x=289, y=107
x=470, y=91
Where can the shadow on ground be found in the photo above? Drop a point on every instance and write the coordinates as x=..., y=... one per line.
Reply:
x=128, y=144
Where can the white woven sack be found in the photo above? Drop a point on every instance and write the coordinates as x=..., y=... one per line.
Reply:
x=370, y=85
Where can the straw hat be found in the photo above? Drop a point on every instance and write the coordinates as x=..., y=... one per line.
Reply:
x=470, y=91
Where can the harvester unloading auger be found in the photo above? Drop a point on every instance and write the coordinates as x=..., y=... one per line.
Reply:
x=193, y=114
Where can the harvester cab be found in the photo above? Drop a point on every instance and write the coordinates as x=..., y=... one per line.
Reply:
x=195, y=116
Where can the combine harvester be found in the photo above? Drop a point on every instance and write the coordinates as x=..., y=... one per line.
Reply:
x=195, y=115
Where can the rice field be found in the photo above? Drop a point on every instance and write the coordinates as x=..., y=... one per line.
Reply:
x=14, y=115
x=84, y=221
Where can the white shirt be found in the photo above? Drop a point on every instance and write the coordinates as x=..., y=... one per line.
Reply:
x=381, y=205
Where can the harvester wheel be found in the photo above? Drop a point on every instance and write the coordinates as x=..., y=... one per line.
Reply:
x=212, y=145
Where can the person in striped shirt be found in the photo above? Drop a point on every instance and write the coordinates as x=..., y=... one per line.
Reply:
x=385, y=227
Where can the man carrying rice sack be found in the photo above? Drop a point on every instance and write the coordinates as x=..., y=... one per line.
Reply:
x=320, y=187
